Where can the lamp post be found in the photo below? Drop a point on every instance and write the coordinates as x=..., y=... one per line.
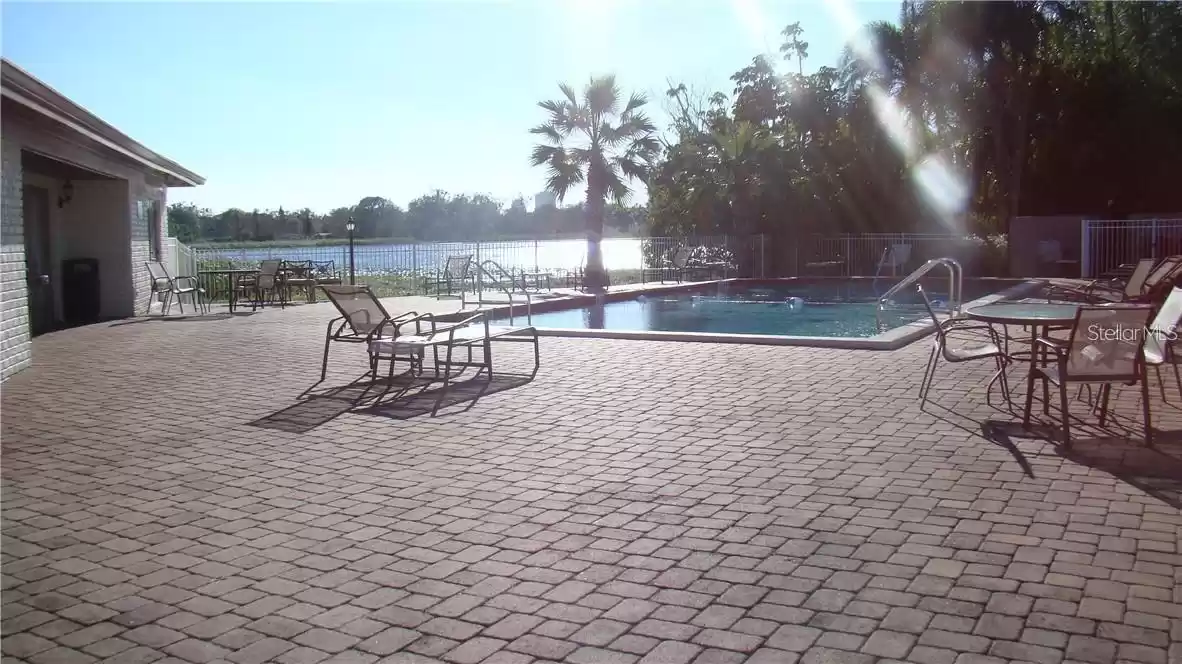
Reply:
x=350, y=226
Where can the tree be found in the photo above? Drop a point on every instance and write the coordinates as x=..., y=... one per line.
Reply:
x=596, y=140
x=184, y=221
x=794, y=46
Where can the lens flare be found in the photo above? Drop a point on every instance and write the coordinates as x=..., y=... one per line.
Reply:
x=939, y=184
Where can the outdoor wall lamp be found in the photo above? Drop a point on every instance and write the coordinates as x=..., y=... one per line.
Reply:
x=67, y=194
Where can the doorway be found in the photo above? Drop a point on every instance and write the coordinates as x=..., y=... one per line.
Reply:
x=38, y=259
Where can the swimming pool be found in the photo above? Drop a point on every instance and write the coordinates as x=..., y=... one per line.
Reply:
x=790, y=308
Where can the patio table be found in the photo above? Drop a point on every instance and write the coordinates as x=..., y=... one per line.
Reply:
x=208, y=278
x=1038, y=316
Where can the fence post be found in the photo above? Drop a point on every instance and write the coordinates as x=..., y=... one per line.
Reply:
x=479, y=274
x=414, y=258
x=1085, y=249
x=535, y=254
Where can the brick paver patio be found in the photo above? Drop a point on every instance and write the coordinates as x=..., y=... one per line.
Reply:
x=168, y=497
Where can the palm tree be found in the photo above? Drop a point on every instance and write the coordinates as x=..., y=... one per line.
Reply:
x=594, y=139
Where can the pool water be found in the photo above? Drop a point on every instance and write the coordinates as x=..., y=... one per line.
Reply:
x=798, y=310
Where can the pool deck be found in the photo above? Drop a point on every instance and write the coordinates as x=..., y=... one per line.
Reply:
x=172, y=492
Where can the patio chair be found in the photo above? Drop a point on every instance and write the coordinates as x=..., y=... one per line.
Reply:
x=956, y=354
x=1106, y=346
x=298, y=274
x=894, y=258
x=673, y=266
x=1050, y=253
x=266, y=283
x=363, y=319
x=1159, y=346
x=457, y=273
x=325, y=273
x=178, y=287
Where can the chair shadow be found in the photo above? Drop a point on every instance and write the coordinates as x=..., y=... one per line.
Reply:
x=401, y=397
x=1156, y=470
x=1117, y=449
x=406, y=406
x=315, y=408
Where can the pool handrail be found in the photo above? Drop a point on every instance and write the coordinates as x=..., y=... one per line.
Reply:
x=955, y=283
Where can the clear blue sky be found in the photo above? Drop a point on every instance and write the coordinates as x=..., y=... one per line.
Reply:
x=319, y=104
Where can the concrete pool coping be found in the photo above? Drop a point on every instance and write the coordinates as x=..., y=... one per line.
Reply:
x=890, y=340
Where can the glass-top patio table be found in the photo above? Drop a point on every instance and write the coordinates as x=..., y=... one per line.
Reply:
x=1038, y=316
x=1033, y=314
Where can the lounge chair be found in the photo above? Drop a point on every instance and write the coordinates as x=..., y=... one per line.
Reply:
x=1111, y=289
x=178, y=287
x=1106, y=346
x=466, y=335
x=993, y=350
x=362, y=319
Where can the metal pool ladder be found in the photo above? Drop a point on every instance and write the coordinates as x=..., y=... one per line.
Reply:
x=955, y=281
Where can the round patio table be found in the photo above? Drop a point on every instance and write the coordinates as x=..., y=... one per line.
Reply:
x=1035, y=315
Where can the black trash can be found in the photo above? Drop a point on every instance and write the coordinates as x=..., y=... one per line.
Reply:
x=80, y=291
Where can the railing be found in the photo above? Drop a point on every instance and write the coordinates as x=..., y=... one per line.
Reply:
x=399, y=268
x=861, y=255
x=489, y=271
x=1107, y=243
x=181, y=259
x=955, y=283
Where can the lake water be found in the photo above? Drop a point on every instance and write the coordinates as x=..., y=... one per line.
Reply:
x=618, y=254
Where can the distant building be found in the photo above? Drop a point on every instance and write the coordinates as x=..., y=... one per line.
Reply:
x=543, y=199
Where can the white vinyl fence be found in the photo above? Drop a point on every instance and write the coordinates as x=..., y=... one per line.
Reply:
x=1108, y=243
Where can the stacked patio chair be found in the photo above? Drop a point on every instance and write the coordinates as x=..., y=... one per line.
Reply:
x=264, y=287
x=178, y=287
x=1106, y=346
x=943, y=349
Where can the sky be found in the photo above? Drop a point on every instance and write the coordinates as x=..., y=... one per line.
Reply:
x=318, y=104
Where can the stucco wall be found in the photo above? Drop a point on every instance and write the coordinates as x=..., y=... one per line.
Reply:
x=126, y=287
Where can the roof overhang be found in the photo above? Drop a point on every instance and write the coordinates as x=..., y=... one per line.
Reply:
x=23, y=88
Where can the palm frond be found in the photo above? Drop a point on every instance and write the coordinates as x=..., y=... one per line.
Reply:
x=634, y=102
x=544, y=154
x=633, y=168
x=550, y=131
x=569, y=92
x=613, y=185
x=602, y=95
x=563, y=175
